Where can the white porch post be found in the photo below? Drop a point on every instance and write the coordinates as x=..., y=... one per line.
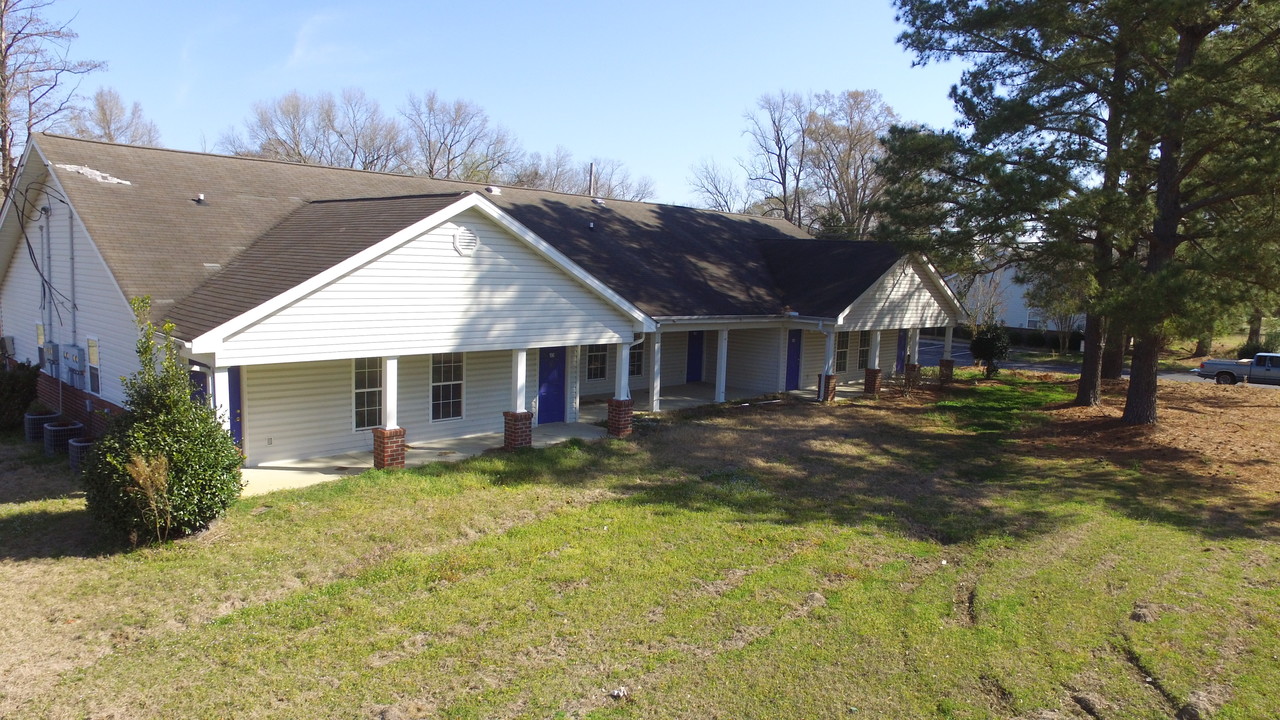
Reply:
x=390, y=392
x=622, y=368
x=655, y=371
x=222, y=396
x=829, y=356
x=873, y=357
x=946, y=342
x=519, y=379
x=722, y=362
x=913, y=345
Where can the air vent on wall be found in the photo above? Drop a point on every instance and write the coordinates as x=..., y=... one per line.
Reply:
x=465, y=241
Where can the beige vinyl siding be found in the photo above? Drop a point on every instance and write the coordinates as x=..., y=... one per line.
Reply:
x=102, y=310
x=753, y=360
x=889, y=351
x=486, y=394
x=813, y=357
x=903, y=298
x=675, y=358
x=606, y=386
x=422, y=297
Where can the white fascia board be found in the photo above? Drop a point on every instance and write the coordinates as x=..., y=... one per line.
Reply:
x=719, y=322
x=10, y=214
x=212, y=340
x=931, y=275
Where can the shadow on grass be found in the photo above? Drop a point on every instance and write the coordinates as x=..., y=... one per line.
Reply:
x=52, y=534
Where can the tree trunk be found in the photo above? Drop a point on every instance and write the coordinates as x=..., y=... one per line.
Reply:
x=1113, y=352
x=1204, y=346
x=1255, y=327
x=1140, y=403
x=1087, y=393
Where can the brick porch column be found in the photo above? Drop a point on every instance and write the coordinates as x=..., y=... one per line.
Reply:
x=871, y=385
x=388, y=448
x=946, y=370
x=620, y=417
x=827, y=383
x=517, y=430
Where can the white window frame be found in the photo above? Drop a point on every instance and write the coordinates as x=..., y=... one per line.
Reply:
x=635, y=361
x=93, y=365
x=461, y=383
x=864, y=349
x=601, y=351
x=842, y=352
x=40, y=338
x=357, y=393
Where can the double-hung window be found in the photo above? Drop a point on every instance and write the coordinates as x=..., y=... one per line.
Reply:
x=368, y=393
x=864, y=349
x=636, y=360
x=446, y=386
x=842, y=352
x=95, y=366
x=597, y=362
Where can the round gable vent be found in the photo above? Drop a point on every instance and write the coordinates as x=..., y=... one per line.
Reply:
x=465, y=241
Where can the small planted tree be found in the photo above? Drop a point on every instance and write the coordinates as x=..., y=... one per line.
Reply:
x=165, y=467
x=990, y=344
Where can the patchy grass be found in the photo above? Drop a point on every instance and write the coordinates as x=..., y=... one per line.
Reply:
x=978, y=553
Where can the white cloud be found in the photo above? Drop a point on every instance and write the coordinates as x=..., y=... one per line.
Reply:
x=315, y=44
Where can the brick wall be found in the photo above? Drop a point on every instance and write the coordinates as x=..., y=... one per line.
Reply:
x=517, y=430
x=388, y=448
x=77, y=405
x=620, y=417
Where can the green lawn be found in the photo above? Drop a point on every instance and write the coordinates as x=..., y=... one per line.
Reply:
x=879, y=559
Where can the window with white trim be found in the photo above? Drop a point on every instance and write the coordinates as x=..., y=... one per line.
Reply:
x=864, y=349
x=635, y=363
x=842, y=352
x=446, y=386
x=367, y=400
x=95, y=365
x=597, y=362
x=40, y=344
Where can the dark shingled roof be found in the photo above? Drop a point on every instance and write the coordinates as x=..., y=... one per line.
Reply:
x=264, y=227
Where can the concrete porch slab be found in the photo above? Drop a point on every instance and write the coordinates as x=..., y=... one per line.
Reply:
x=302, y=473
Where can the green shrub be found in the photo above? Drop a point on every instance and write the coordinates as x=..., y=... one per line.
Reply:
x=17, y=393
x=1015, y=337
x=165, y=467
x=989, y=345
x=1249, y=349
x=1037, y=339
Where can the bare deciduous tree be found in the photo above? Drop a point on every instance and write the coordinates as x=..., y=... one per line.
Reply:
x=717, y=188
x=107, y=119
x=844, y=135
x=455, y=140
x=322, y=130
x=779, y=164
x=559, y=172
x=37, y=79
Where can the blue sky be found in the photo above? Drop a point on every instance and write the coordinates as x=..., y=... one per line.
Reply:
x=658, y=85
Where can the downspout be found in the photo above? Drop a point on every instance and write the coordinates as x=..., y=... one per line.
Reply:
x=71, y=259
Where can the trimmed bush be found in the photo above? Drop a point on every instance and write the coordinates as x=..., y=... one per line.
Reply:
x=17, y=393
x=1037, y=339
x=165, y=467
x=1015, y=337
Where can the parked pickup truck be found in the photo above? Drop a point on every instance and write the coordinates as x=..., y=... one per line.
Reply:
x=1263, y=368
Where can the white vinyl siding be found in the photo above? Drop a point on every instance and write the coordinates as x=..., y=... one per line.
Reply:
x=814, y=357
x=102, y=311
x=422, y=297
x=295, y=411
x=605, y=385
x=904, y=297
x=753, y=361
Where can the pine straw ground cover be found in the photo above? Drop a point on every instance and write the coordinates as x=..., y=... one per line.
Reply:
x=979, y=552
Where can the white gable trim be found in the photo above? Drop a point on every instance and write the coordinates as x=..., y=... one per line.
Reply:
x=212, y=340
x=927, y=273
